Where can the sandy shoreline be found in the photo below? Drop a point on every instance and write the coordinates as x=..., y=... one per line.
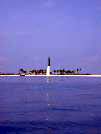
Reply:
x=93, y=75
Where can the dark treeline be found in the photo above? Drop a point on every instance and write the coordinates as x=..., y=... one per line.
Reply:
x=55, y=72
x=24, y=72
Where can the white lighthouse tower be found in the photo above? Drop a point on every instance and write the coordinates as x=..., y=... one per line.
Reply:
x=48, y=67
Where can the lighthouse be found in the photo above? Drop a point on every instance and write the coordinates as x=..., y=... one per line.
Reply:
x=48, y=67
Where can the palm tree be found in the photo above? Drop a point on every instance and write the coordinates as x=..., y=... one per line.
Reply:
x=32, y=71
x=78, y=70
x=22, y=71
x=54, y=71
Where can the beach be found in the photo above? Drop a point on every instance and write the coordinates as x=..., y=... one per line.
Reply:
x=84, y=75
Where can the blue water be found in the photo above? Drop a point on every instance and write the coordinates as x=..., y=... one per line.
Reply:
x=59, y=105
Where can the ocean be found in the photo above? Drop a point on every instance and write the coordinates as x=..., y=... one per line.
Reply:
x=55, y=105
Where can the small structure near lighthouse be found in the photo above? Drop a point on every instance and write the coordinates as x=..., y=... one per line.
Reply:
x=48, y=67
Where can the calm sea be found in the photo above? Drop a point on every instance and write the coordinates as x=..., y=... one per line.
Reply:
x=59, y=105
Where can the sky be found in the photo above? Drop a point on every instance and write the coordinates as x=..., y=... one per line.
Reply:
x=66, y=30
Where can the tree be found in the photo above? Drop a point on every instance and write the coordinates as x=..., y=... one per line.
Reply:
x=22, y=71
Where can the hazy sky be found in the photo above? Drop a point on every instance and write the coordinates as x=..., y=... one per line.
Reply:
x=66, y=30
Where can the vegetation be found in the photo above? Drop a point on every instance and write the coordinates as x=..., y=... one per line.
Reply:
x=23, y=72
x=55, y=72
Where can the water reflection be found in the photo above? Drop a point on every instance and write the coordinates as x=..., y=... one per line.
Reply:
x=48, y=79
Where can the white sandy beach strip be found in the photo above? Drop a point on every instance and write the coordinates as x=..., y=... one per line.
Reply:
x=93, y=75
